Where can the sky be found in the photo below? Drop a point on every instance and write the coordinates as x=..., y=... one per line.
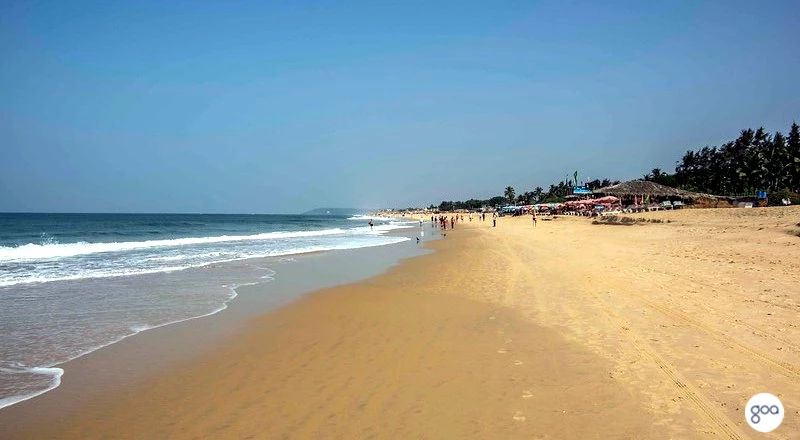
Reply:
x=283, y=107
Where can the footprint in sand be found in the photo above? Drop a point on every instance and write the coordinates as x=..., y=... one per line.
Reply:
x=517, y=362
x=527, y=394
x=492, y=318
x=502, y=351
x=519, y=417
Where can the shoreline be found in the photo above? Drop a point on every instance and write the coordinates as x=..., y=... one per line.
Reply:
x=58, y=309
x=369, y=328
x=133, y=358
x=660, y=330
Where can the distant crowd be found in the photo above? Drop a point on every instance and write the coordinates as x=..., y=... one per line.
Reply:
x=441, y=220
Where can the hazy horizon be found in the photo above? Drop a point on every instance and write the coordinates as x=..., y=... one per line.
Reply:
x=283, y=108
x=354, y=210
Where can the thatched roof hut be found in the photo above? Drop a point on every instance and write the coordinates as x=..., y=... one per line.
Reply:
x=642, y=187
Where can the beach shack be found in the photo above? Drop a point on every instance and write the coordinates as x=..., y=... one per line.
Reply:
x=643, y=195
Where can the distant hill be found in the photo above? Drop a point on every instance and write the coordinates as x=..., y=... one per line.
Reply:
x=338, y=211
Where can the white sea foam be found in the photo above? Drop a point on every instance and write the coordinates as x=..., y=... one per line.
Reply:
x=390, y=220
x=375, y=219
x=33, y=251
x=380, y=229
x=55, y=380
x=178, y=257
x=56, y=373
x=132, y=269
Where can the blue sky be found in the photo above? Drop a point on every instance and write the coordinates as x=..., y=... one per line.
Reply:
x=273, y=107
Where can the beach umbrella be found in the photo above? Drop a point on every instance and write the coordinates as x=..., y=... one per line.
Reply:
x=607, y=199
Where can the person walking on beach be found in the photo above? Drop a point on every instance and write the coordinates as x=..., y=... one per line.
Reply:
x=494, y=219
x=533, y=218
x=370, y=224
x=420, y=221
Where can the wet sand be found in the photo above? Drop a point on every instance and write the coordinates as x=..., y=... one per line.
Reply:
x=565, y=330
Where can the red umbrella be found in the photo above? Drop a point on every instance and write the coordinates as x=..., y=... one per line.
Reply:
x=607, y=199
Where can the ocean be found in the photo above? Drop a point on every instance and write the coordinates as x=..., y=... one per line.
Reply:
x=74, y=283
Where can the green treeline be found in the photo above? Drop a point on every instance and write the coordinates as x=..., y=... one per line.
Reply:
x=755, y=161
x=555, y=193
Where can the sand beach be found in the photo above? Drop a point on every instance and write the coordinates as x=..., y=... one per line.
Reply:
x=663, y=328
x=216, y=221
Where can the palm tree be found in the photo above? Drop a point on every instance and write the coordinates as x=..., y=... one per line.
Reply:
x=529, y=197
x=773, y=164
x=687, y=169
x=793, y=152
x=538, y=193
x=754, y=161
x=509, y=193
x=742, y=147
x=655, y=176
x=552, y=192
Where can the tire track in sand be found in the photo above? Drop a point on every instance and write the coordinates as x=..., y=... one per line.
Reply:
x=720, y=422
x=782, y=367
x=730, y=318
x=680, y=384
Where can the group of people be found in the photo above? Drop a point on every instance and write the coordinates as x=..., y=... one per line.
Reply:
x=442, y=220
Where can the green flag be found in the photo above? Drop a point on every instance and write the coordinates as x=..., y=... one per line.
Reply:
x=576, y=178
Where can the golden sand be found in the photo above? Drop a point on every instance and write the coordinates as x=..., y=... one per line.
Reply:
x=565, y=330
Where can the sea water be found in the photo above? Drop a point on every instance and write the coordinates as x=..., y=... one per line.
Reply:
x=73, y=283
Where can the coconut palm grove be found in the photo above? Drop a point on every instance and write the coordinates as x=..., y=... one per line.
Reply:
x=754, y=161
